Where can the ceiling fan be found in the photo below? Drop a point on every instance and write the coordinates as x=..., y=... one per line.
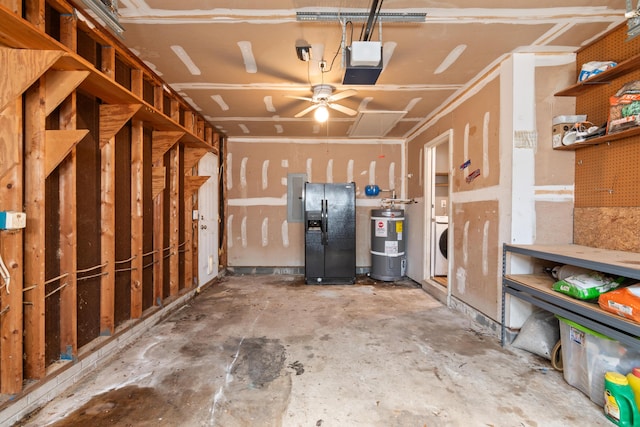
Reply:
x=324, y=97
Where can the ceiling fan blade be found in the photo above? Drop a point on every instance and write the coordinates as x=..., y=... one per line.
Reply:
x=298, y=97
x=346, y=110
x=306, y=110
x=344, y=94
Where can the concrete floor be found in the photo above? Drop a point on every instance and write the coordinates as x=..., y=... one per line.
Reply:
x=271, y=351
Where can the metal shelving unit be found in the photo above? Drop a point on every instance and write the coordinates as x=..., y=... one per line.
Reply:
x=536, y=288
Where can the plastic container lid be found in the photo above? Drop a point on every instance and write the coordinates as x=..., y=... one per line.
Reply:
x=616, y=378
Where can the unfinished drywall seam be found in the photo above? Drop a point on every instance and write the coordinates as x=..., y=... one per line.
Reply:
x=265, y=232
x=372, y=172
x=554, y=193
x=330, y=170
x=392, y=174
x=485, y=249
x=485, y=144
x=466, y=141
x=420, y=167
x=309, y=169
x=243, y=172
x=230, y=231
x=265, y=174
x=243, y=231
x=465, y=243
x=229, y=177
x=285, y=233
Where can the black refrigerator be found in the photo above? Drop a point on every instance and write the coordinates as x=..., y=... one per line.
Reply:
x=330, y=233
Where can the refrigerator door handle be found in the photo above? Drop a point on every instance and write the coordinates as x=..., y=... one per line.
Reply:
x=324, y=222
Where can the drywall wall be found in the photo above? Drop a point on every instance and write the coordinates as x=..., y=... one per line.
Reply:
x=258, y=233
x=489, y=124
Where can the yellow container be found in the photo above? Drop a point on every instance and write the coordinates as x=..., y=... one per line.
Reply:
x=634, y=381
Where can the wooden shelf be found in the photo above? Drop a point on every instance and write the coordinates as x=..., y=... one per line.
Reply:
x=601, y=139
x=20, y=34
x=602, y=78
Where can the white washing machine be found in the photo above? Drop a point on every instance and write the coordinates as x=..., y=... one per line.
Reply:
x=439, y=262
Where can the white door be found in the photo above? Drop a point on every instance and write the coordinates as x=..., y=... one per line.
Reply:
x=208, y=220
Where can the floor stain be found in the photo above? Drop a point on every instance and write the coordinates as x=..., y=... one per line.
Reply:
x=123, y=407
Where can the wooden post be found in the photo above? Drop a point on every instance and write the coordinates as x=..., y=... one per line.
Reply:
x=158, y=249
x=137, y=165
x=34, y=262
x=174, y=223
x=68, y=215
x=107, y=209
x=11, y=250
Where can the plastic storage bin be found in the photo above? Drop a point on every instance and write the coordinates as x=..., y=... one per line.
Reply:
x=587, y=356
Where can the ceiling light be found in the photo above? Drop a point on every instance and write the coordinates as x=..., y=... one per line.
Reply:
x=322, y=114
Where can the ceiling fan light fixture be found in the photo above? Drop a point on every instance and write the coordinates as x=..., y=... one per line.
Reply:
x=321, y=114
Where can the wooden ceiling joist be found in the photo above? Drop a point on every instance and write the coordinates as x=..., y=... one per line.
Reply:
x=113, y=118
x=192, y=156
x=21, y=68
x=158, y=177
x=59, y=86
x=58, y=145
x=162, y=142
x=192, y=183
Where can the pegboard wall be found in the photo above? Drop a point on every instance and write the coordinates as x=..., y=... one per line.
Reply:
x=607, y=174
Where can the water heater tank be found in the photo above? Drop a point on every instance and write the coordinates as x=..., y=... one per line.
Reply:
x=388, y=259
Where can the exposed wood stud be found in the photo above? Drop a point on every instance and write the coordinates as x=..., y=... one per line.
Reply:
x=158, y=235
x=68, y=236
x=34, y=262
x=174, y=217
x=11, y=243
x=137, y=165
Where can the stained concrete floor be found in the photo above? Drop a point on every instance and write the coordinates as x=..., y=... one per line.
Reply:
x=271, y=351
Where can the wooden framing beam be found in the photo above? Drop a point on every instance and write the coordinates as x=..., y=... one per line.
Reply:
x=158, y=242
x=21, y=68
x=60, y=84
x=113, y=118
x=11, y=249
x=162, y=143
x=34, y=262
x=59, y=143
x=67, y=175
x=174, y=223
x=137, y=165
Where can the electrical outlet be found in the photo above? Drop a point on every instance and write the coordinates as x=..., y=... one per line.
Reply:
x=11, y=220
x=443, y=203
